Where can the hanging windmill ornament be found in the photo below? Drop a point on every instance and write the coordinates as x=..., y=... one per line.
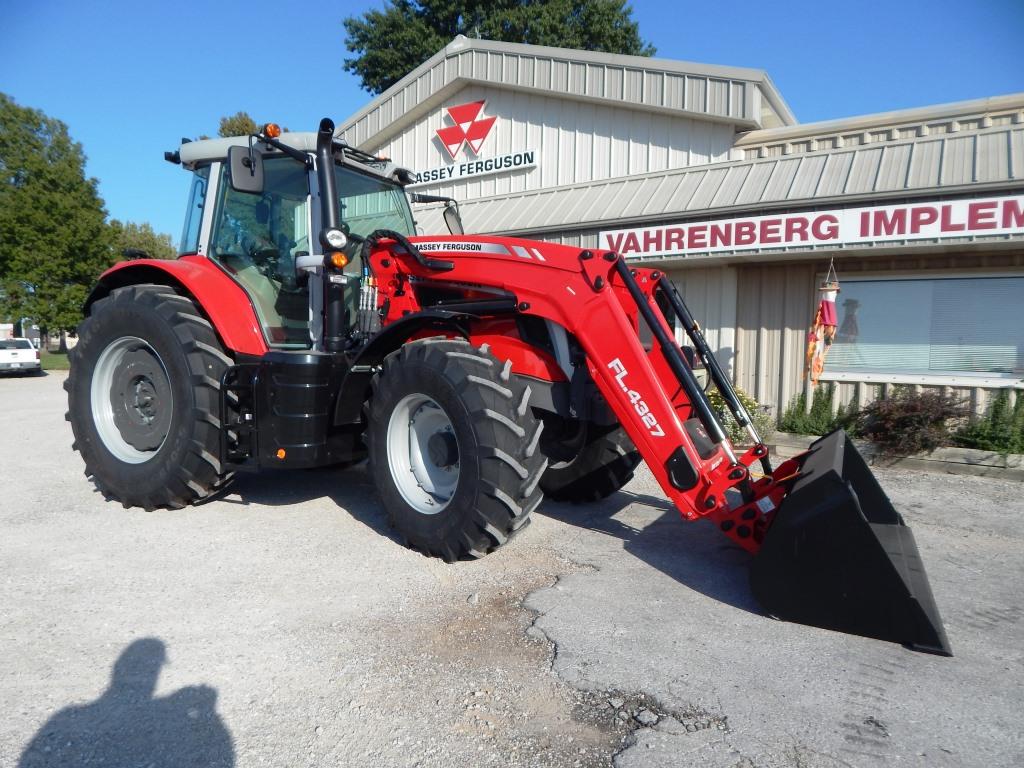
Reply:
x=823, y=329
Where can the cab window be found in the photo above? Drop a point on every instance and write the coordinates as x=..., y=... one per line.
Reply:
x=368, y=203
x=256, y=238
x=194, y=213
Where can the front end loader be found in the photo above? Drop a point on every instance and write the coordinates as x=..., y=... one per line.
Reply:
x=307, y=325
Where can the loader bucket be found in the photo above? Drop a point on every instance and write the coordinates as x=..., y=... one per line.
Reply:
x=839, y=556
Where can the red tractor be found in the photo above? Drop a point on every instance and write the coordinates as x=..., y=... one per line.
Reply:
x=307, y=326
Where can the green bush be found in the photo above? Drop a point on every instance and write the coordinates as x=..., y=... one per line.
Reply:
x=910, y=422
x=760, y=415
x=1000, y=429
x=820, y=420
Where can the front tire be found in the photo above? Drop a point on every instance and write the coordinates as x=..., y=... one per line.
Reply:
x=454, y=448
x=144, y=398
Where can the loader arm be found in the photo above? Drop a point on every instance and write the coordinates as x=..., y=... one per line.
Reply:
x=651, y=391
x=830, y=548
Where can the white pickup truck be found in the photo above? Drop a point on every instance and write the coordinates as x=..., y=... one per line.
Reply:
x=18, y=356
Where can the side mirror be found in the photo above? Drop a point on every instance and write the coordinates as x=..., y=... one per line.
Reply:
x=453, y=219
x=246, y=168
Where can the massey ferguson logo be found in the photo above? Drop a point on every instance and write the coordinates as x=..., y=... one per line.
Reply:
x=470, y=128
x=642, y=409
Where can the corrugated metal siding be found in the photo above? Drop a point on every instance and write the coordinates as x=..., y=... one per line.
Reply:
x=952, y=162
x=574, y=142
x=710, y=293
x=773, y=311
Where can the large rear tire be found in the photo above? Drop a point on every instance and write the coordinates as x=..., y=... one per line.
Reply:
x=454, y=448
x=144, y=397
x=604, y=464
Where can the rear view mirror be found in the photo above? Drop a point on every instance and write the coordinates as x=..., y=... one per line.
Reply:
x=453, y=220
x=246, y=168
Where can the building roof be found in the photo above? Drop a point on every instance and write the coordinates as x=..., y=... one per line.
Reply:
x=882, y=126
x=746, y=98
x=954, y=162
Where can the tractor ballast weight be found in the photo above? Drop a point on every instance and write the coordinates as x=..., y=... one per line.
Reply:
x=477, y=372
x=838, y=555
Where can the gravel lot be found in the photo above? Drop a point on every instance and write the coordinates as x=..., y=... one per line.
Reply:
x=283, y=626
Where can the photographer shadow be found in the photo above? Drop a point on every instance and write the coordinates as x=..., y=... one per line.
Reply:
x=128, y=726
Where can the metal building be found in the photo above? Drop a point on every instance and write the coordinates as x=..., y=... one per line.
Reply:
x=704, y=171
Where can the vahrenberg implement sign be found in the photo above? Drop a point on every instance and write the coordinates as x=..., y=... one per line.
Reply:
x=837, y=226
x=481, y=167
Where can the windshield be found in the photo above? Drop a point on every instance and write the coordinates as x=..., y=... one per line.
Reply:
x=369, y=203
x=16, y=344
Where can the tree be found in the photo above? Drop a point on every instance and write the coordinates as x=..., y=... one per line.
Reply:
x=390, y=43
x=238, y=124
x=140, y=237
x=54, y=240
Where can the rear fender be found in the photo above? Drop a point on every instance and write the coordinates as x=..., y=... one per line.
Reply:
x=219, y=297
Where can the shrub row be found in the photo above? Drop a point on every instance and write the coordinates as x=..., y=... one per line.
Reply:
x=911, y=422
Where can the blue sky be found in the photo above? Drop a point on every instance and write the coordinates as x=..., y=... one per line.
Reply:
x=131, y=78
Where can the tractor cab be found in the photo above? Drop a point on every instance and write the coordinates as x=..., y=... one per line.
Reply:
x=252, y=209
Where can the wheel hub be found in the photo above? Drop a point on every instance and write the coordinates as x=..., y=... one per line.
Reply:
x=131, y=399
x=443, y=450
x=139, y=395
x=423, y=453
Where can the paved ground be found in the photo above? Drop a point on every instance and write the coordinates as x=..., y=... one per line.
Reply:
x=282, y=626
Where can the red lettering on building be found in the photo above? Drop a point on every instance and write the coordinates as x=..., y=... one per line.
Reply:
x=947, y=225
x=652, y=240
x=770, y=230
x=796, y=228
x=721, y=234
x=982, y=215
x=615, y=242
x=632, y=244
x=699, y=236
x=1013, y=214
x=891, y=223
x=920, y=217
x=825, y=227
x=746, y=232
x=674, y=239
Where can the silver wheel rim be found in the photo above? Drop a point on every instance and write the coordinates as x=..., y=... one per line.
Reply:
x=133, y=367
x=423, y=454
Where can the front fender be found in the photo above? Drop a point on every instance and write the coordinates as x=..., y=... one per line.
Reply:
x=219, y=297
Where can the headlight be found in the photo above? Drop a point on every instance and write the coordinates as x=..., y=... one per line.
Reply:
x=335, y=238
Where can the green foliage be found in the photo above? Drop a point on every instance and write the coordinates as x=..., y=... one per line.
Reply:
x=1001, y=429
x=819, y=420
x=910, y=422
x=761, y=415
x=238, y=124
x=54, y=240
x=54, y=361
x=390, y=43
x=140, y=237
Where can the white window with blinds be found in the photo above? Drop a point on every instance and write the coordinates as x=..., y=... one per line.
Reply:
x=930, y=326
